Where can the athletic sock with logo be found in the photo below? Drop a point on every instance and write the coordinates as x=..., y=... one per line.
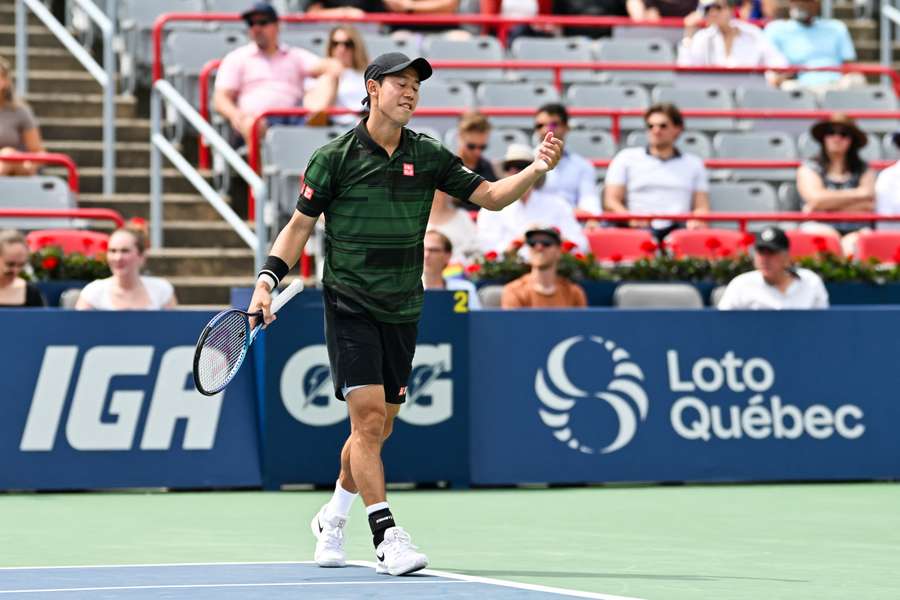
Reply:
x=340, y=502
x=380, y=520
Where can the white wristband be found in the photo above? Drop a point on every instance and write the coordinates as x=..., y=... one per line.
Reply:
x=268, y=278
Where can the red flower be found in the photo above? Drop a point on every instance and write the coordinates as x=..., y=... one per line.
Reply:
x=491, y=256
x=820, y=243
x=713, y=243
x=648, y=246
x=849, y=257
x=568, y=246
x=616, y=257
x=897, y=256
x=724, y=252
x=747, y=240
x=517, y=243
x=49, y=263
x=579, y=256
x=473, y=268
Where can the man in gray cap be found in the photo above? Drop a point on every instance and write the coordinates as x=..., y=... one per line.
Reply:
x=775, y=284
x=375, y=185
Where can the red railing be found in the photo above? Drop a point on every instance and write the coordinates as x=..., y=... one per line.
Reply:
x=99, y=214
x=743, y=218
x=734, y=163
x=48, y=158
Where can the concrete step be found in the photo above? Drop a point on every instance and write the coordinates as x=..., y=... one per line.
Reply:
x=862, y=29
x=870, y=50
x=201, y=262
x=128, y=180
x=55, y=59
x=177, y=207
x=38, y=35
x=8, y=15
x=70, y=82
x=78, y=105
x=90, y=153
x=200, y=234
x=61, y=128
x=208, y=290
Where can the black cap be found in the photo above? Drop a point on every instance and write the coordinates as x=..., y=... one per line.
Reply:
x=394, y=62
x=772, y=238
x=542, y=230
x=260, y=8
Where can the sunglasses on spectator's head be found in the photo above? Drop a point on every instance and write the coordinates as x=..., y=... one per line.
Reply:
x=345, y=43
x=481, y=147
x=543, y=242
x=838, y=131
x=259, y=22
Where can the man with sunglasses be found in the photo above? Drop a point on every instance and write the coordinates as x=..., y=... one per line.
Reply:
x=266, y=74
x=543, y=286
x=472, y=133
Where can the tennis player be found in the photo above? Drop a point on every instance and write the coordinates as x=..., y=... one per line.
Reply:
x=375, y=185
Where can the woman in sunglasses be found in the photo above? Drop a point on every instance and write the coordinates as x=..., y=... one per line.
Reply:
x=346, y=46
x=837, y=179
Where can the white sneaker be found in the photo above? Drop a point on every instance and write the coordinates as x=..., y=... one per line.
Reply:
x=396, y=554
x=329, y=533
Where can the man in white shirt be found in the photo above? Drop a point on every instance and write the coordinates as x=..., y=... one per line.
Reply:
x=438, y=251
x=498, y=229
x=659, y=178
x=887, y=190
x=775, y=284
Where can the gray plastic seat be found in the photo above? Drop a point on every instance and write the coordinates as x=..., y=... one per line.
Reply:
x=808, y=147
x=775, y=99
x=636, y=50
x=864, y=98
x=377, y=44
x=593, y=143
x=711, y=97
x=673, y=35
x=36, y=192
x=526, y=94
x=478, y=48
x=657, y=295
x=239, y=6
x=285, y=153
x=187, y=52
x=442, y=94
x=314, y=41
x=751, y=145
x=69, y=298
x=585, y=95
x=716, y=295
x=490, y=296
x=889, y=149
x=742, y=196
x=568, y=49
x=498, y=140
x=693, y=142
x=789, y=199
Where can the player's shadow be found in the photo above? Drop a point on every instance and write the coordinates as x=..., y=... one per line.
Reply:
x=641, y=576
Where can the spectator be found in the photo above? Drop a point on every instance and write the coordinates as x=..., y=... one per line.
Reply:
x=18, y=130
x=265, y=74
x=346, y=46
x=837, y=180
x=15, y=291
x=344, y=8
x=597, y=8
x=127, y=289
x=726, y=41
x=658, y=178
x=456, y=224
x=887, y=190
x=472, y=134
x=807, y=40
x=498, y=230
x=574, y=177
x=775, y=284
x=438, y=250
x=654, y=9
x=543, y=286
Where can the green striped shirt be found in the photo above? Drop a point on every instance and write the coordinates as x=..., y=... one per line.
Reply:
x=376, y=211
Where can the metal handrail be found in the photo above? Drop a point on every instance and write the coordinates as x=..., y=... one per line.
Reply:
x=99, y=214
x=105, y=75
x=733, y=163
x=50, y=158
x=163, y=90
x=890, y=17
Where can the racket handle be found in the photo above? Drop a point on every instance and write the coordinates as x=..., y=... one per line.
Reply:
x=289, y=292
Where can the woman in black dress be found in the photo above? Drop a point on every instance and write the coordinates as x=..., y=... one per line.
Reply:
x=15, y=291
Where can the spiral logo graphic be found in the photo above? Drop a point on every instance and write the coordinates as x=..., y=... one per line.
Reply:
x=623, y=394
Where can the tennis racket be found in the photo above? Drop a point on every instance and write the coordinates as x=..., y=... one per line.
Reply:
x=225, y=340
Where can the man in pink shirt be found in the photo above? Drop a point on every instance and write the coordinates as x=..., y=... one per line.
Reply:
x=265, y=74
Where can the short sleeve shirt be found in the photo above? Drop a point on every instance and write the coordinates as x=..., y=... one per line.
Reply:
x=824, y=43
x=14, y=122
x=749, y=291
x=521, y=294
x=376, y=211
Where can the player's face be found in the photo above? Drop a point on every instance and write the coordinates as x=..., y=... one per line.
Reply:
x=771, y=264
x=123, y=255
x=398, y=96
x=13, y=258
x=661, y=132
x=436, y=257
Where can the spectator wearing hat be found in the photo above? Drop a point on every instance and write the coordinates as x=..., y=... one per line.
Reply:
x=498, y=230
x=472, y=133
x=887, y=190
x=438, y=251
x=775, y=284
x=727, y=41
x=266, y=74
x=658, y=178
x=837, y=179
x=543, y=286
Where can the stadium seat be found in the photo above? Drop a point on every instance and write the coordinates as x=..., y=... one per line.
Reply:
x=616, y=244
x=377, y=44
x=881, y=245
x=889, y=149
x=69, y=298
x=789, y=199
x=698, y=97
x=285, y=153
x=443, y=94
x=808, y=244
x=657, y=295
x=716, y=295
x=743, y=196
x=707, y=243
x=751, y=145
x=636, y=50
x=586, y=95
x=568, y=49
x=808, y=147
x=591, y=143
x=515, y=95
x=312, y=40
x=497, y=142
x=867, y=98
x=89, y=243
x=694, y=142
x=478, y=48
x=37, y=192
x=767, y=98
x=490, y=295
x=672, y=35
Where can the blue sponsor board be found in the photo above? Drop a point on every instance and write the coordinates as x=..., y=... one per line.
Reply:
x=604, y=395
x=106, y=400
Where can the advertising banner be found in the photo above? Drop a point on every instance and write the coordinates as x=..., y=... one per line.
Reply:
x=106, y=400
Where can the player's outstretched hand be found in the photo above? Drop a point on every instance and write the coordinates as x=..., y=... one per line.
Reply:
x=548, y=153
x=261, y=300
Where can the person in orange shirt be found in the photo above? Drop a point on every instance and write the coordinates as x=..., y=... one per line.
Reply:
x=543, y=287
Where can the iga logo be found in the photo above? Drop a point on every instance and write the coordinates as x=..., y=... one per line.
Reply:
x=625, y=384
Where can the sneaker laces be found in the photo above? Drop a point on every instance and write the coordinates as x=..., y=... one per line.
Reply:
x=401, y=539
x=333, y=533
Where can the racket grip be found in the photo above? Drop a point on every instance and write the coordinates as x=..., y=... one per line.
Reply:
x=289, y=292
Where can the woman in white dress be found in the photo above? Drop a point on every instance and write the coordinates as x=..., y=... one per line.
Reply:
x=127, y=289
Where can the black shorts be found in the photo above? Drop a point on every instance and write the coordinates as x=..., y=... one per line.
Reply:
x=364, y=351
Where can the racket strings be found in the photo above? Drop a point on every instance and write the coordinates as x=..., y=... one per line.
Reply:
x=222, y=351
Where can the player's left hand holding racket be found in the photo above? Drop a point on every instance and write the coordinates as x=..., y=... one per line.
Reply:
x=225, y=340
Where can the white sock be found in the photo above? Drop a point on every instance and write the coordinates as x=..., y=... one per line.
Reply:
x=341, y=501
x=376, y=507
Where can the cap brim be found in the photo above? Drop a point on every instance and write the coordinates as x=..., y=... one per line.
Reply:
x=422, y=67
x=552, y=233
x=769, y=246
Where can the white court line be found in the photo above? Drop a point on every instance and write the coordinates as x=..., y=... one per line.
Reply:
x=138, y=565
x=512, y=584
x=230, y=585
